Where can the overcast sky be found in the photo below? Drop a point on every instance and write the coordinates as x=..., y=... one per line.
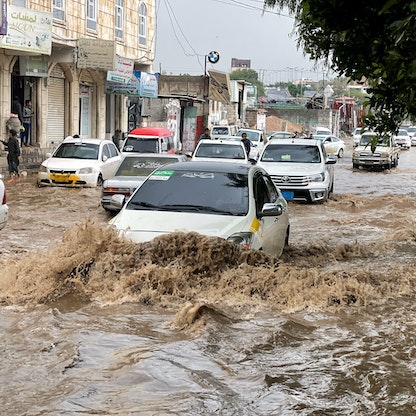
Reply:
x=187, y=30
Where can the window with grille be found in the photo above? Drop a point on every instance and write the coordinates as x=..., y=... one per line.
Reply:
x=92, y=14
x=142, y=24
x=118, y=18
x=58, y=7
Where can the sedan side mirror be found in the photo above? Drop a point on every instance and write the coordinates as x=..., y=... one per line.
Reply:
x=271, y=210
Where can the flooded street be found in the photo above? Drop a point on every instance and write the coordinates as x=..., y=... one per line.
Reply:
x=189, y=325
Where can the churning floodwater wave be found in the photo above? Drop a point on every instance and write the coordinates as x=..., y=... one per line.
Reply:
x=92, y=264
x=191, y=325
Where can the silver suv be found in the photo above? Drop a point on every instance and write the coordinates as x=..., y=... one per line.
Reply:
x=300, y=168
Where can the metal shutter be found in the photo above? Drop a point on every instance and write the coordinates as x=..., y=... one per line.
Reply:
x=56, y=107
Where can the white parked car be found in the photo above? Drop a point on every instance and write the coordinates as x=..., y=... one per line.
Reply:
x=233, y=201
x=300, y=168
x=231, y=151
x=356, y=135
x=411, y=132
x=333, y=145
x=78, y=162
x=402, y=139
x=4, y=209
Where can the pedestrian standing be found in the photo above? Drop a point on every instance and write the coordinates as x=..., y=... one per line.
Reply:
x=13, y=156
x=17, y=108
x=246, y=142
x=118, y=136
x=205, y=135
x=27, y=121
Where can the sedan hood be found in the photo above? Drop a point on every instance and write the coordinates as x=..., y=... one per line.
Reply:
x=143, y=226
x=58, y=164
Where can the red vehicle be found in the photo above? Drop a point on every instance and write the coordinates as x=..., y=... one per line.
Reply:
x=149, y=140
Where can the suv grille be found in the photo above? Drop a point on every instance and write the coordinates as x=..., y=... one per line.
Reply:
x=285, y=180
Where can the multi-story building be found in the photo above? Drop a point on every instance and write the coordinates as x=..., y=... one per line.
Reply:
x=66, y=56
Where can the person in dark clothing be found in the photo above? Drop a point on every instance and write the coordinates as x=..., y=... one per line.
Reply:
x=205, y=135
x=17, y=108
x=118, y=136
x=13, y=155
x=246, y=142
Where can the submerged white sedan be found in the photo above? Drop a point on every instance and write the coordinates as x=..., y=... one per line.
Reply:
x=237, y=202
x=79, y=162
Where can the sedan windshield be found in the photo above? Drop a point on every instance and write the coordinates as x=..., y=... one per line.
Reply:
x=193, y=191
x=77, y=151
x=291, y=153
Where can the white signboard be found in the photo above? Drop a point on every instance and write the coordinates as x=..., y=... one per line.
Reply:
x=28, y=30
x=96, y=54
x=123, y=71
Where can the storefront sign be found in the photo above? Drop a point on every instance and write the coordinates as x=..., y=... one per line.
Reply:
x=142, y=84
x=33, y=66
x=123, y=71
x=28, y=30
x=96, y=54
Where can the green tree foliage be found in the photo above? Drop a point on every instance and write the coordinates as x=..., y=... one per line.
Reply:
x=372, y=40
x=251, y=76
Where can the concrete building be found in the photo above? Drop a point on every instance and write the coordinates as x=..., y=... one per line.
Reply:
x=64, y=56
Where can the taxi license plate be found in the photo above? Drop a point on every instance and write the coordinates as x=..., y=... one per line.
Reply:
x=288, y=195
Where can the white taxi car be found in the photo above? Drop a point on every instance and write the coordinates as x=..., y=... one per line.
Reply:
x=4, y=209
x=237, y=202
x=79, y=162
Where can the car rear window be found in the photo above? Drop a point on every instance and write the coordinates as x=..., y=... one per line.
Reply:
x=220, y=151
x=141, y=166
x=141, y=145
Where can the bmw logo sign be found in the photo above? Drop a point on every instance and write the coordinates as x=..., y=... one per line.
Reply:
x=213, y=57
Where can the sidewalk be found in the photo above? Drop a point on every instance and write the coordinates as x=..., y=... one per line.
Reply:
x=32, y=157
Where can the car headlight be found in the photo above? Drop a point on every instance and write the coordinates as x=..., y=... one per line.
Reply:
x=384, y=154
x=84, y=171
x=319, y=177
x=243, y=239
x=42, y=169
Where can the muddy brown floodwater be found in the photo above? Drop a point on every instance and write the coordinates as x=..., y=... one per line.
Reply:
x=190, y=325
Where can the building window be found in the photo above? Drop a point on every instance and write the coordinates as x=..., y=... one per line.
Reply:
x=20, y=3
x=92, y=14
x=142, y=24
x=58, y=7
x=119, y=11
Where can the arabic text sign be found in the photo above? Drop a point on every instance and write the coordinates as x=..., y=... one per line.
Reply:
x=28, y=30
x=141, y=84
x=96, y=54
x=123, y=71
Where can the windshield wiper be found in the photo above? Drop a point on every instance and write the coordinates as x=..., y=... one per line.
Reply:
x=143, y=205
x=196, y=208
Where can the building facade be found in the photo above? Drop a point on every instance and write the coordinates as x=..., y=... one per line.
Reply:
x=62, y=55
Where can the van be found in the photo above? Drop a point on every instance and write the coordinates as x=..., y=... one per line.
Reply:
x=149, y=140
x=218, y=131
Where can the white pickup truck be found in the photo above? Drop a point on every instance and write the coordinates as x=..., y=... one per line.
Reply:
x=300, y=168
x=384, y=155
